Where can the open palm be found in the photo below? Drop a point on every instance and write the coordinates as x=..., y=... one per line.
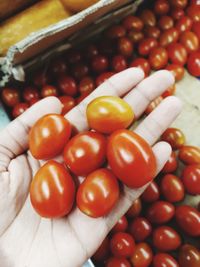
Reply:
x=26, y=239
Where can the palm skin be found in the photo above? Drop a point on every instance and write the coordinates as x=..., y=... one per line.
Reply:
x=26, y=239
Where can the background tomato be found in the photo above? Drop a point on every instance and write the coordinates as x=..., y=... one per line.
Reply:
x=99, y=63
x=193, y=11
x=184, y=24
x=174, y=137
x=158, y=58
x=148, y=17
x=121, y=225
x=193, y=64
x=68, y=103
x=10, y=96
x=142, y=257
x=103, y=77
x=191, y=179
x=168, y=37
x=146, y=45
x=176, y=13
x=49, y=90
x=189, y=256
x=103, y=251
x=172, y=164
x=164, y=260
x=125, y=46
x=86, y=86
x=117, y=262
x=177, y=70
x=177, y=54
x=115, y=32
x=135, y=36
x=135, y=209
x=152, y=31
x=141, y=63
x=161, y=7
x=140, y=228
x=30, y=93
x=119, y=63
x=151, y=193
x=19, y=108
x=122, y=245
x=132, y=23
x=190, y=41
x=165, y=23
x=189, y=154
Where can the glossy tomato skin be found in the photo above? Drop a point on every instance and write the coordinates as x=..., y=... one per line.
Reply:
x=98, y=193
x=188, y=218
x=179, y=3
x=122, y=245
x=10, y=96
x=103, y=77
x=141, y=63
x=68, y=103
x=165, y=23
x=160, y=212
x=103, y=251
x=177, y=54
x=121, y=225
x=148, y=17
x=184, y=24
x=30, y=93
x=67, y=85
x=143, y=255
x=191, y=179
x=166, y=238
x=151, y=193
x=152, y=32
x=135, y=36
x=193, y=64
x=193, y=12
x=140, y=228
x=50, y=129
x=164, y=260
x=196, y=29
x=177, y=70
x=53, y=178
x=175, y=137
x=177, y=13
x=172, y=164
x=139, y=167
x=170, y=91
x=115, y=32
x=92, y=146
x=161, y=7
x=189, y=154
x=125, y=46
x=99, y=63
x=135, y=209
x=132, y=23
x=119, y=63
x=168, y=37
x=172, y=188
x=109, y=113
x=189, y=256
x=158, y=58
x=19, y=108
x=86, y=86
x=49, y=90
x=117, y=262
x=146, y=46
x=190, y=41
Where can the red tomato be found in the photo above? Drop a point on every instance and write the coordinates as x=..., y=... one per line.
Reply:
x=152, y=32
x=19, y=109
x=141, y=63
x=140, y=228
x=160, y=212
x=153, y=105
x=117, y=262
x=109, y=113
x=68, y=103
x=193, y=64
x=184, y=24
x=196, y=29
x=52, y=190
x=132, y=23
x=189, y=154
x=164, y=260
x=80, y=98
x=177, y=54
x=143, y=255
x=188, y=218
x=135, y=36
x=175, y=137
x=131, y=158
x=179, y=3
x=191, y=179
x=148, y=17
x=177, y=70
x=170, y=91
x=30, y=93
x=10, y=96
x=166, y=238
x=135, y=209
x=85, y=153
x=115, y=31
x=50, y=129
x=73, y=56
x=80, y=70
x=33, y=101
x=189, y=256
x=98, y=193
x=99, y=63
x=121, y=225
x=190, y=41
x=161, y=7
x=40, y=78
x=122, y=245
x=119, y=63
x=165, y=23
x=49, y=90
x=125, y=46
x=193, y=12
x=158, y=58
x=103, y=251
x=168, y=37
x=103, y=77
x=151, y=193
x=67, y=85
x=171, y=165
x=146, y=45
x=177, y=13
x=172, y=188
x=86, y=86
x=91, y=51
x=58, y=66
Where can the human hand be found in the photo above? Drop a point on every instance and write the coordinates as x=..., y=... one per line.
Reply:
x=26, y=239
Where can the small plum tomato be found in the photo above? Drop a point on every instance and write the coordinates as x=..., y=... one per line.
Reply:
x=132, y=23
x=161, y=7
x=191, y=179
x=30, y=93
x=175, y=137
x=10, y=96
x=140, y=228
x=158, y=58
x=68, y=103
x=172, y=164
x=184, y=24
x=49, y=90
x=148, y=17
x=143, y=255
x=103, y=77
x=190, y=41
x=135, y=209
x=86, y=86
x=189, y=256
x=193, y=64
x=164, y=260
x=177, y=70
x=122, y=245
x=19, y=108
x=151, y=193
x=121, y=225
x=177, y=53
x=141, y=63
x=67, y=85
x=119, y=63
x=117, y=262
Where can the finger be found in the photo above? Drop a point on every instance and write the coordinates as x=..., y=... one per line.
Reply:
x=152, y=127
x=117, y=85
x=147, y=90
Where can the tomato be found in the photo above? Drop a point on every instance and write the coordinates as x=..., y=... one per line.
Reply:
x=168, y=37
x=91, y=51
x=196, y=29
x=152, y=31
x=189, y=256
x=140, y=228
x=33, y=101
x=103, y=77
x=171, y=165
x=68, y=103
x=99, y=63
x=153, y=105
x=177, y=54
x=109, y=113
x=188, y=218
x=135, y=209
x=177, y=13
x=135, y=36
x=52, y=190
x=175, y=137
x=193, y=12
x=161, y=7
x=73, y=56
x=165, y=23
x=164, y=260
x=190, y=41
x=125, y=46
x=117, y=262
x=141, y=63
x=170, y=91
x=98, y=193
x=177, y=70
x=19, y=108
x=10, y=96
x=132, y=23
x=158, y=58
x=122, y=245
x=184, y=24
x=80, y=98
x=193, y=64
x=40, y=78
x=58, y=66
x=189, y=154
x=86, y=86
x=80, y=70
x=179, y=3
x=85, y=153
x=191, y=179
x=172, y=188
x=148, y=17
x=160, y=212
x=166, y=238
x=119, y=63
x=103, y=251
x=142, y=257
x=131, y=158
x=50, y=129
x=30, y=93
x=67, y=85
x=151, y=193
x=146, y=45
x=49, y=90
x=121, y=225
x=115, y=31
